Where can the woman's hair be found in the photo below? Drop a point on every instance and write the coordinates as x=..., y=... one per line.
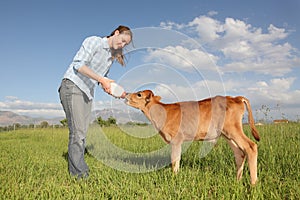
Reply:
x=118, y=53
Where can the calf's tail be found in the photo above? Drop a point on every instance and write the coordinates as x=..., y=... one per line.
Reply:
x=250, y=119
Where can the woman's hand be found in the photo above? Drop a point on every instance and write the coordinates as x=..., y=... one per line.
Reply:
x=105, y=83
x=123, y=95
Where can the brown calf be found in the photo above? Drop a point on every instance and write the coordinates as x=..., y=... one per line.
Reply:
x=201, y=120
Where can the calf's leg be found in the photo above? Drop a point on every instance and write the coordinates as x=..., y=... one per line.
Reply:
x=239, y=156
x=248, y=147
x=175, y=157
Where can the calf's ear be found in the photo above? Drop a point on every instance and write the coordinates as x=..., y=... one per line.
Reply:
x=157, y=98
x=148, y=97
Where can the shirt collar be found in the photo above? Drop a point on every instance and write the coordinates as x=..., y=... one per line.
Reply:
x=105, y=43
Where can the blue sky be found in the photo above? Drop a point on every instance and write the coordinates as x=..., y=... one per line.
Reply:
x=246, y=48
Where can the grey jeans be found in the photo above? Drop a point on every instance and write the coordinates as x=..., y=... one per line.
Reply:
x=77, y=107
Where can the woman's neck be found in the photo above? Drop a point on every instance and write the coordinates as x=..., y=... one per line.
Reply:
x=109, y=40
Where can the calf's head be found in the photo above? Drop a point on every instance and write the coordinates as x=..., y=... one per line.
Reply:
x=141, y=99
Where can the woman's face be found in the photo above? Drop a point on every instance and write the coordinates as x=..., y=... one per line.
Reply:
x=119, y=40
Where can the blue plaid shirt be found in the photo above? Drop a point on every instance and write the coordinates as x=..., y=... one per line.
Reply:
x=94, y=53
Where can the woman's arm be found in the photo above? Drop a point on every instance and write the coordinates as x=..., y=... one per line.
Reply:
x=105, y=82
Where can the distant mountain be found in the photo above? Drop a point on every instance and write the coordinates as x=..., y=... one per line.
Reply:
x=10, y=118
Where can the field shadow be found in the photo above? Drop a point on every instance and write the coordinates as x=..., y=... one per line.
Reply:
x=65, y=156
x=129, y=161
x=149, y=162
x=86, y=152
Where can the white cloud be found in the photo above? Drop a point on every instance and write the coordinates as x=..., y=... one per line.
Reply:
x=282, y=84
x=196, y=91
x=212, y=13
x=173, y=93
x=262, y=84
x=113, y=103
x=29, y=108
x=207, y=28
x=273, y=90
x=273, y=93
x=243, y=47
x=171, y=25
x=45, y=113
x=182, y=58
x=11, y=98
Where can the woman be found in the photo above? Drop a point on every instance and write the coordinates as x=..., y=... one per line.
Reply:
x=88, y=68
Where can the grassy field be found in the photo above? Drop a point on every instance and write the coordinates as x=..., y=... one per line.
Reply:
x=33, y=166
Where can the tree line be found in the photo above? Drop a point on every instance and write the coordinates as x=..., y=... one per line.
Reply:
x=111, y=121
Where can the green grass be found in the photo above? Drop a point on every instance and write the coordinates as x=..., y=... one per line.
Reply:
x=33, y=166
